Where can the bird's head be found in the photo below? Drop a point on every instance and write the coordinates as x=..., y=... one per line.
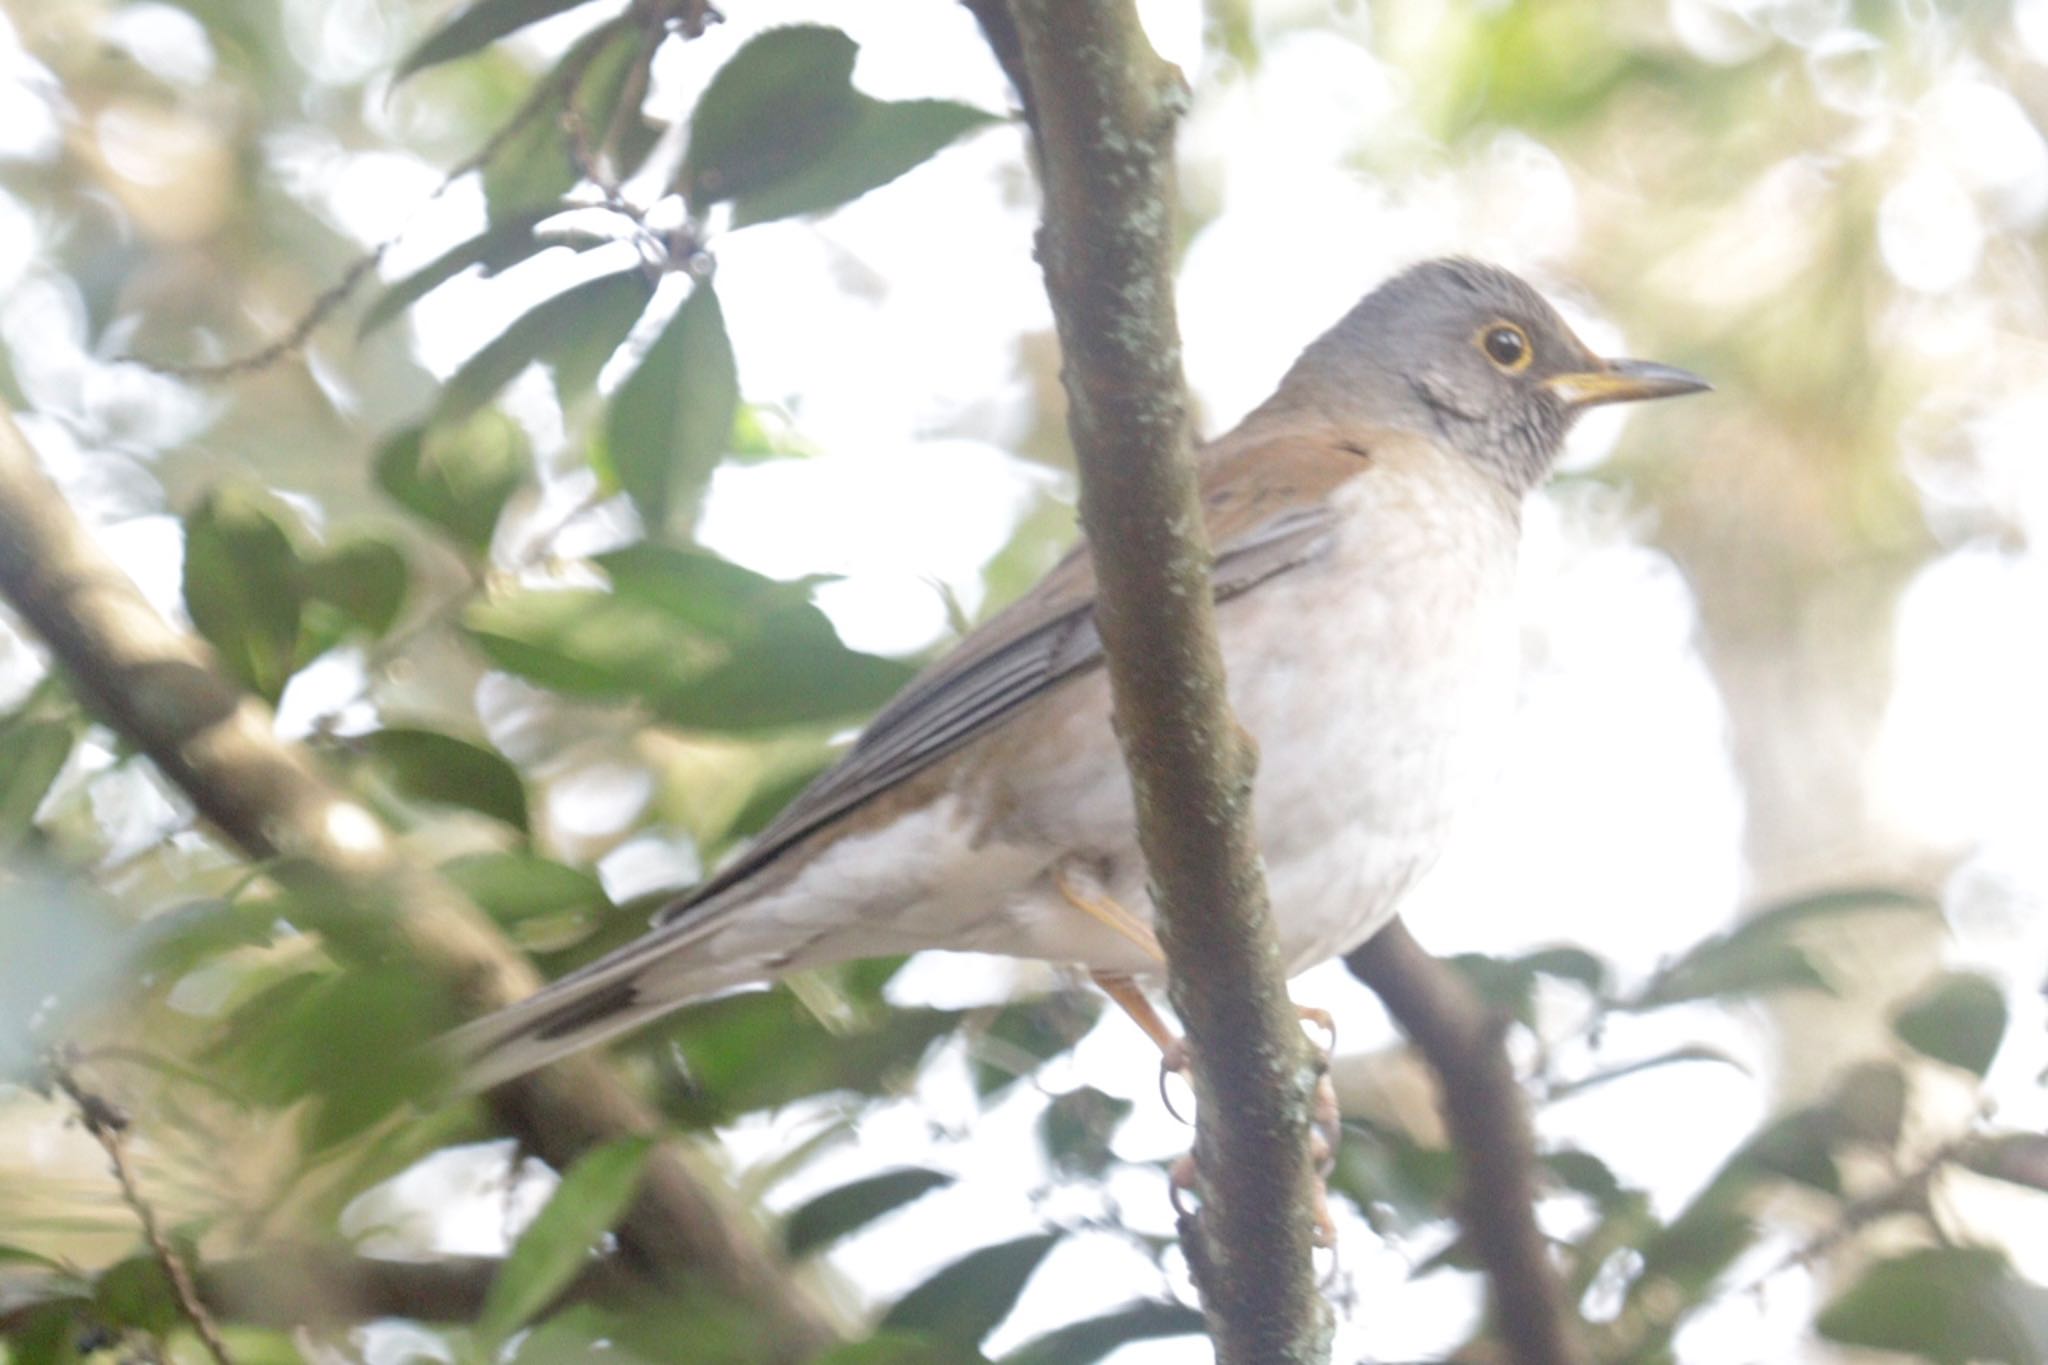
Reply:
x=1471, y=355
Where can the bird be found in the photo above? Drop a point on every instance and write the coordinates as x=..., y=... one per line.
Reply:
x=1364, y=523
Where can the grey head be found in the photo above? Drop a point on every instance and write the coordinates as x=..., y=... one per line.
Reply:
x=1469, y=354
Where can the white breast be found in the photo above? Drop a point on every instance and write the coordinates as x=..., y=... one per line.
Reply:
x=1378, y=683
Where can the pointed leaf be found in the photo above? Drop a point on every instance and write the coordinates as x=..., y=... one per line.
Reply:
x=671, y=420
x=475, y=26
x=881, y=141
x=586, y=643
x=32, y=753
x=241, y=587
x=1732, y=967
x=457, y=477
x=1077, y=1128
x=1959, y=1020
x=837, y=1212
x=799, y=673
x=1081, y=1343
x=593, y=1196
x=566, y=325
x=1688, y=1052
x=502, y=244
x=363, y=578
x=768, y=112
x=1946, y=1304
x=515, y=887
x=966, y=1300
x=537, y=162
x=426, y=765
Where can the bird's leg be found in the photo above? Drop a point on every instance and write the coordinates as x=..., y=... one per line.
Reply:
x=1325, y=1122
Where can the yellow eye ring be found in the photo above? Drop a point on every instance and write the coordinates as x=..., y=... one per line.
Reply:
x=1506, y=345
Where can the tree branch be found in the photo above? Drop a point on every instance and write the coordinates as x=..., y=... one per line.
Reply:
x=1105, y=107
x=1489, y=1125
x=158, y=688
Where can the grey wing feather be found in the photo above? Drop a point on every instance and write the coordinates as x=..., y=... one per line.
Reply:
x=969, y=691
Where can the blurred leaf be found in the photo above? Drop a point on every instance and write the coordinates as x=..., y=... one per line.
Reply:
x=1947, y=1304
x=1027, y=1034
x=1798, y=1146
x=32, y=753
x=457, y=477
x=900, y=1348
x=136, y=1293
x=241, y=587
x=700, y=589
x=966, y=1300
x=1689, y=1052
x=364, y=578
x=1076, y=1130
x=761, y=1049
x=1586, y=1173
x=514, y=887
x=580, y=1334
x=475, y=26
x=536, y=164
x=587, y=644
x=1510, y=983
x=1869, y=1104
x=1397, y=1183
x=831, y=1215
x=768, y=112
x=1694, y=1251
x=574, y=324
x=554, y=1249
x=671, y=420
x=880, y=141
x=798, y=673
x=46, y=1336
x=426, y=765
x=1959, y=1020
x=1731, y=966
x=283, y=1043
x=173, y=941
x=499, y=245
x=1081, y=1343
x=2020, y=1158
x=1781, y=917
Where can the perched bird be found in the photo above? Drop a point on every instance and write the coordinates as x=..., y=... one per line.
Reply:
x=1364, y=521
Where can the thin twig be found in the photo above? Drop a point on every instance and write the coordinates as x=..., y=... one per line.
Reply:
x=106, y=1122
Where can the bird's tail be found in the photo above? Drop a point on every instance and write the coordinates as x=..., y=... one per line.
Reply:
x=643, y=980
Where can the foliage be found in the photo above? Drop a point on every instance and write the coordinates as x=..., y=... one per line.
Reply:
x=425, y=524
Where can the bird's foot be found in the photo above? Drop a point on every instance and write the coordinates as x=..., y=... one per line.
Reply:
x=1325, y=1131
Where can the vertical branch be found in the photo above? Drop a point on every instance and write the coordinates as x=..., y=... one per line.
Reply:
x=1489, y=1125
x=1105, y=107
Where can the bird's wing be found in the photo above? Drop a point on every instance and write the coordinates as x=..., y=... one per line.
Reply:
x=1261, y=526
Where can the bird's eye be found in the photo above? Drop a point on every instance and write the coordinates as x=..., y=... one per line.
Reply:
x=1507, y=346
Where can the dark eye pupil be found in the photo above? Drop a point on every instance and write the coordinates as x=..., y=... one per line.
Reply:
x=1505, y=345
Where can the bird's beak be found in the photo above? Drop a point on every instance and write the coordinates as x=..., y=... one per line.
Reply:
x=1623, y=381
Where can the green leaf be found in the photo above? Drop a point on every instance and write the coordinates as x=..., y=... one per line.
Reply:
x=1688, y=1052
x=457, y=477
x=671, y=420
x=770, y=111
x=836, y=1212
x=1076, y=1130
x=586, y=643
x=1732, y=966
x=284, y=1044
x=537, y=163
x=1081, y=1343
x=241, y=587
x=514, y=888
x=900, y=1348
x=1029, y=1033
x=499, y=245
x=1959, y=1020
x=798, y=673
x=1947, y=1304
x=881, y=141
x=364, y=578
x=32, y=753
x=966, y=1300
x=593, y=1196
x=476, y=26
x=564, y=330
x=426, y=765
x=137, y=1293
x=700, y=590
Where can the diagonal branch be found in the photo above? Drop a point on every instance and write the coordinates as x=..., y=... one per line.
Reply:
x=1105, y=107
x=1489, y=1124
x=159, y=689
